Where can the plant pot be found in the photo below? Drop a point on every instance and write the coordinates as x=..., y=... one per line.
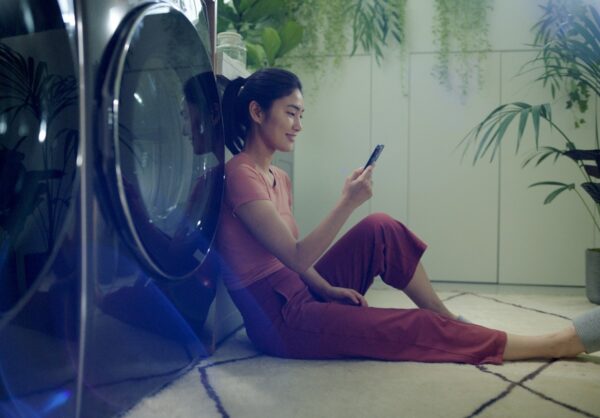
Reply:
x=592, y=275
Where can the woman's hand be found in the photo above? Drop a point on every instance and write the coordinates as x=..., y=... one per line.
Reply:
x=358, y=187
x=346, y=296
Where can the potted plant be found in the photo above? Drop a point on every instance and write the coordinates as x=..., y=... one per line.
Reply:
x=568, y=36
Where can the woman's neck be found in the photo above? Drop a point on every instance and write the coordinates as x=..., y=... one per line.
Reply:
x=261, y=155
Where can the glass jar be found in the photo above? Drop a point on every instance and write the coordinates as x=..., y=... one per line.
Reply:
x=232, y=45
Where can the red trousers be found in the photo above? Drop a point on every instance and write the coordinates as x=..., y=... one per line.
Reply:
x=284, y=318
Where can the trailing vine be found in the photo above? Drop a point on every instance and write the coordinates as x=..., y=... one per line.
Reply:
x=460, y=29
x=336, y=28
x=342, y=28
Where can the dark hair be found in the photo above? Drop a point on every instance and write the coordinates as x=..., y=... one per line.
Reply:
x=201, y=89
x=264, y=86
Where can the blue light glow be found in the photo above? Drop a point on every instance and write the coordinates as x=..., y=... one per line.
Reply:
x=57, y=400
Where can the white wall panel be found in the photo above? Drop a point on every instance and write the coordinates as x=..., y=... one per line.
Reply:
x=452, y=206
x=390, y=127
x=540, y=244
x=510, y=23
x=335, y=140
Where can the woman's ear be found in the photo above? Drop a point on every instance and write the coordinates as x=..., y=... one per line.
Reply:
x=256, y=112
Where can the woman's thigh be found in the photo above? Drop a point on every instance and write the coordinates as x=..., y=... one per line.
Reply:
x=377, y=246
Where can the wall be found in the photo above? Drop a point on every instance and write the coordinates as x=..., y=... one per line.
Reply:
x=481, y=222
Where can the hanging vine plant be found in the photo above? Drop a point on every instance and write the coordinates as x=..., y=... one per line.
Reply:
x=373, y=21
x=320, y=28
x=460, y=30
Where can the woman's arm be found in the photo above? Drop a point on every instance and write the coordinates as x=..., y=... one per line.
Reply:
x=263, y=221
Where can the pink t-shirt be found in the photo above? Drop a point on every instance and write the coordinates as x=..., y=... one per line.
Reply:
x=246, y=260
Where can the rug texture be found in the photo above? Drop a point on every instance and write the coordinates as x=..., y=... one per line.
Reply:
x=237, y=381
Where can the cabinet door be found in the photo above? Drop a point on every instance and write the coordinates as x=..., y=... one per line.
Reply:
x=453, y=206
x=389, y=126
x=335, y=140
x=540, y=244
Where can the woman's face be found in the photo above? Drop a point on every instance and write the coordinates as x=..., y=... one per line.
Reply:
x=279, y=126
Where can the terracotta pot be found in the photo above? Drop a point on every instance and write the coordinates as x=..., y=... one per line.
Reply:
x=592, y=275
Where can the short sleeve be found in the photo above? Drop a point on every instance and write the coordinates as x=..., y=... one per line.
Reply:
x=243, y=185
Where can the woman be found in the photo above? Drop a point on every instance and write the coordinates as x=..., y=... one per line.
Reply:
x=301, y=300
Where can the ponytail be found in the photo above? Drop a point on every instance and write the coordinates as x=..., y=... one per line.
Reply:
x=264, y=87
x=234, y=123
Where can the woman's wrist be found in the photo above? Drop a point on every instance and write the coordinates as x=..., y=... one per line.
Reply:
x=344, y=207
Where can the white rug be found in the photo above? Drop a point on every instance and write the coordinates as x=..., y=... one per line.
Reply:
x=237, y=381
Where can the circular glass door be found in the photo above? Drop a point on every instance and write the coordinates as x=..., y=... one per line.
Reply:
x=39, y=139
x=164, y=148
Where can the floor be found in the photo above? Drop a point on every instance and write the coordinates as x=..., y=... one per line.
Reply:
x=237, y=381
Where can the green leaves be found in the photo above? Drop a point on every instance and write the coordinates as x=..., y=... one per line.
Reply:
x=271, y=43
x=460, y=25
x=373, y=20
x=495, y=125
x=267, y=30
x=291, y=36
x=255, y=55
x=561, y=187
x=568, y=35
x=261, y=10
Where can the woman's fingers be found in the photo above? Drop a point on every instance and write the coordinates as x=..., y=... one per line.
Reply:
x=353, y=297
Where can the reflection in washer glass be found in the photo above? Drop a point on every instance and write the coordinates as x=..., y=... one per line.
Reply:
x=38, y=141
x=168, y=146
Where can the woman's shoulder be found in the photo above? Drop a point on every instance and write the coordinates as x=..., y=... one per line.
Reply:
x=237, y=161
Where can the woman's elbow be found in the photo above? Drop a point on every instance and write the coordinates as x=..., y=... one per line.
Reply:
x=298, y=261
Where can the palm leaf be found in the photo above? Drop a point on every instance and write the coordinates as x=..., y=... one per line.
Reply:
x=552, y=195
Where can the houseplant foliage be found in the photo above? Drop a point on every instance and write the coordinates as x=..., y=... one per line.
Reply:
x=568, y=63
x=461, y=26
x=36, y=166
x=273, y=28
x=266, y=26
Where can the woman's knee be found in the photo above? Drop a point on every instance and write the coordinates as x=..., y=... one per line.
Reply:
x=379, y=220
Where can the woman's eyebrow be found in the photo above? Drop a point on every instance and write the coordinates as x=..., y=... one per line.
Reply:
x=295, y=107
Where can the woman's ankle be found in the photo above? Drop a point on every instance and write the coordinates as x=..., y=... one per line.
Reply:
x=569, y=344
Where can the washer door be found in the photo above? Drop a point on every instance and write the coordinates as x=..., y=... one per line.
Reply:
x=162, y=140
x=39, y=139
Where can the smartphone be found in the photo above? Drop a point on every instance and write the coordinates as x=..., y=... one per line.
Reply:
x=374, y=155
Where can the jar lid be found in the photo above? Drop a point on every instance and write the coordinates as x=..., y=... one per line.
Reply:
x=229, y=37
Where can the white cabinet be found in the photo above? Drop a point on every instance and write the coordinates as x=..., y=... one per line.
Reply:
x=453, y=206
x=540, y=244
x=335, y=140
x=389, y=126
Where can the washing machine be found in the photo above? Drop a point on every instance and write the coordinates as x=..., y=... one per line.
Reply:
x=111, y=180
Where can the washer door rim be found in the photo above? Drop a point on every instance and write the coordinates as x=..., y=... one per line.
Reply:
x=109, y=164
